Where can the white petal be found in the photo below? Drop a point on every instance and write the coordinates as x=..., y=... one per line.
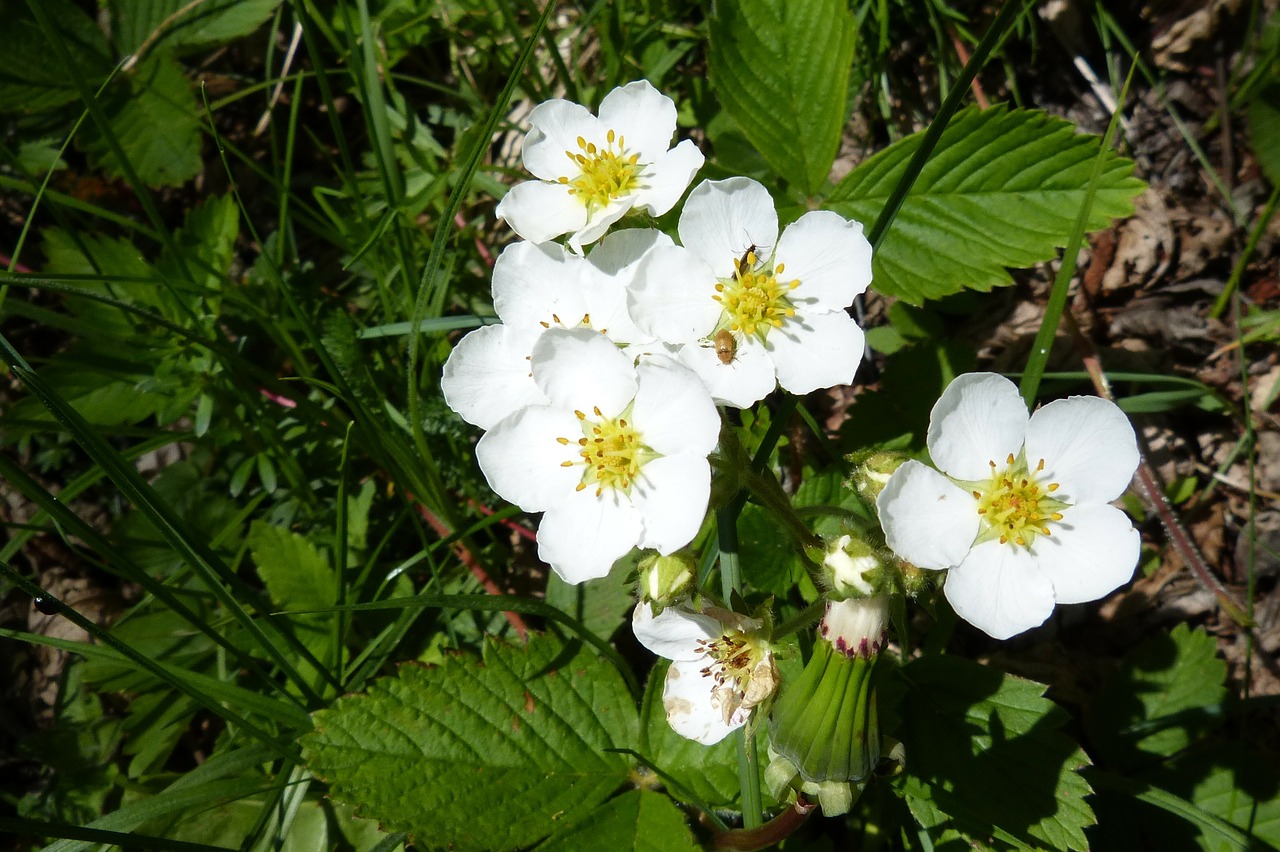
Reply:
x=927, y=519
x=523, y=460
x=555, y=126
x=599, y=220
x=672, y=494
x=488, y=376
x=618, y=255
x=540, y=211
x=1091, y=553
x=673, y=411
x=582, y=370
x=582, y=537
x=745, y=380
x=643, y=116
x=691, y=710
x=830, y=257
x=532, y=283
x=668, y=178
x=675, y=632
x=672, y=296
x=1088, y=447
x=723, y=218
x=999, y=590
x=979, y=419
x=816, y=350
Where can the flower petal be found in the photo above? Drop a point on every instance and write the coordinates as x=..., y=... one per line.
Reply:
x=1088, y=447
x=723, y=218
x=1091, y=553
x=554, y=128
x=746, y=379
x=540, y=211
x=582, y=537
x=673, y=411
x=999, y=589
x=675, y=632
x=599, y=220
x=672, y=493
x=487, y=376
x=692, y=710
x=618, y=255
x=581, y=370
x=830, y=257
x=533, y=283
x=927, y=519
x=979, y=419
x=816, y=350
x=672, y=296
x=523, y=460
x=643, y=116
x=668, y=178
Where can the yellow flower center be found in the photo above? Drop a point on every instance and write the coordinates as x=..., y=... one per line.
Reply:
x=605, y=173
x=754, y=299
x=611, y=452
x=1015, y=505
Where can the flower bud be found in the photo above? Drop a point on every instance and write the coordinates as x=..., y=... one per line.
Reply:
x=853, y=568
x=872, y=471
x=856, y=627
x=835, y=797
x=665, y=579
x=826, y=723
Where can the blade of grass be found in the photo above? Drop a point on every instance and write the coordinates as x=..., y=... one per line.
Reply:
x=433, y=265
x=1038, y=358
x=213, y=573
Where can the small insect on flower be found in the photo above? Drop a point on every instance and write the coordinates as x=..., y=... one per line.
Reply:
x=726, y=346
x=747, y=261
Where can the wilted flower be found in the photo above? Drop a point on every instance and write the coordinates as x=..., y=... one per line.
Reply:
x=616, y=458
x=721, y=667
x=591, y=170
x=753, y=310
x=1019, y=514
x=536, y=288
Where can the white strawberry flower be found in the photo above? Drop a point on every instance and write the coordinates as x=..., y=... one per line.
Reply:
x=721, y=667
x=535, y=288
x=1019, y=515
x=753, y=310
x=591, y=171
x=615, y=459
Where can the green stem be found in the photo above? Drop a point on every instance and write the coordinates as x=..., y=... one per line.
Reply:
x=749, y=776
x=731, y=586
x=1259, y=227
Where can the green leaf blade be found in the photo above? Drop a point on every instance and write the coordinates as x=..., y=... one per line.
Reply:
x=788, y=102
x=1001, y=190
x=525, y=731
x=984, y=748
x=638, y=820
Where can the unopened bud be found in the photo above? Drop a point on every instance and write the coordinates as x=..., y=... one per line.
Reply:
x=856, y=627
x=871, y=472
x=853, y=568
x=665, y=579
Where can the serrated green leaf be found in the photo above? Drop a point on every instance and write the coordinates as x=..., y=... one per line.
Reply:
x=296, y=575
x=780, y=69
x=209, y=23
x=984, y=748
x=639, y=820
x=29, y=81
x=472, y=755
x=154, y=117
x=1162, y=676
x=1264, y=131
x=1002, y=189
x=203, y=247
